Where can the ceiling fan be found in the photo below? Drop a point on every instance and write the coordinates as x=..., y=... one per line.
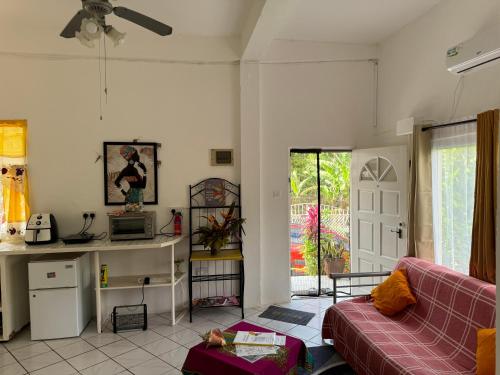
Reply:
x=88, y=23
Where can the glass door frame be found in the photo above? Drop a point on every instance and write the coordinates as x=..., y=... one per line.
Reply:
x=317, y=152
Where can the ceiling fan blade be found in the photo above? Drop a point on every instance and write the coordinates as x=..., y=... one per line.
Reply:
x=142, y=20
x=74, y=25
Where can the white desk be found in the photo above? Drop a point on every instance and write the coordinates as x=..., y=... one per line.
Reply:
x=7, y=250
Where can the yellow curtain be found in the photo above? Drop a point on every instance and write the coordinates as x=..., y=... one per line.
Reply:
x=482, y=261
x=15, y=189
x=420, y=232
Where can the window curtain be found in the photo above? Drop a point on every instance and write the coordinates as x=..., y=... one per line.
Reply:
x=15, y=189
x=453, y=181
x=482, y=260
x=420, y=233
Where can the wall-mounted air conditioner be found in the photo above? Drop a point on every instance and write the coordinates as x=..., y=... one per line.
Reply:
x=481, y=50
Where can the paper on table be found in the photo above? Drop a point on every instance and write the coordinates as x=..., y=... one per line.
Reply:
x=254, y=350
x=254, y=338
x=280, y=340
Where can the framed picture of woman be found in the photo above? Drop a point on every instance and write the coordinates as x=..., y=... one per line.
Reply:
x=130, y=173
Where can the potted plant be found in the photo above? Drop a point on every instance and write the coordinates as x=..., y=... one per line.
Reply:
x=333, y=257
x=215, y=235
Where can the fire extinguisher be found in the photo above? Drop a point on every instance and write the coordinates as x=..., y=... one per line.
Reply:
x=178, y=223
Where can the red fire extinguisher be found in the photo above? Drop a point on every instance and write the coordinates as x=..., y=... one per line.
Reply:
x=178, y=223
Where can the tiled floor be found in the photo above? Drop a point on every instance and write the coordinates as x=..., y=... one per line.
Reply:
x=160, y=350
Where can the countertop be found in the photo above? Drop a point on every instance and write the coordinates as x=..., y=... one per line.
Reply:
x=21, y=248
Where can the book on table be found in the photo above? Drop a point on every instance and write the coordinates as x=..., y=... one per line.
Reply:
x=255, y=338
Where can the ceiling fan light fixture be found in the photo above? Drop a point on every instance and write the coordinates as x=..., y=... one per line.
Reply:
x=82, y=37
x=116, y=37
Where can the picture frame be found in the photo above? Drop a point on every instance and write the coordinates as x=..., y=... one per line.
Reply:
x=127, y=165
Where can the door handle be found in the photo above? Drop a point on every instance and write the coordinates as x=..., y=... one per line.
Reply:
x=399, y=231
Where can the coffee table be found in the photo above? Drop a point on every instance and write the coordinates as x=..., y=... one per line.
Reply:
x=220, y=360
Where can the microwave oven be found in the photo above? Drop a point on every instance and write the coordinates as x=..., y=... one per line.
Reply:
x=132, y=226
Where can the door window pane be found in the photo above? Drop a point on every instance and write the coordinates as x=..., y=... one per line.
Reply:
x=453, y=181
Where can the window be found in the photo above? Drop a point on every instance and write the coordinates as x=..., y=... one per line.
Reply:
x=453, y=181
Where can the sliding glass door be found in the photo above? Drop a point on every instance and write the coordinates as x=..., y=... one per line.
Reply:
x=319, y=219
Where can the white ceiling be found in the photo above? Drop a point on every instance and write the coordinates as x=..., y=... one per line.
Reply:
x=214, y=18
x=351, y=21
x=34, y=25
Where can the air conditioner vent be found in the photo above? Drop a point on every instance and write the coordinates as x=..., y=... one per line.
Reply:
x=221, y=157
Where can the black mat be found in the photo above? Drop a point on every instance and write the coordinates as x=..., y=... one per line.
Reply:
x=287, y=315
x=323, y=354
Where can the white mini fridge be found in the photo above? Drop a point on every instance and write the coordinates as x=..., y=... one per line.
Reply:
x=59, y=288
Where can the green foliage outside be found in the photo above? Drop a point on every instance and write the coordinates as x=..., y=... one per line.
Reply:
x=335, y=169
x=335, y=189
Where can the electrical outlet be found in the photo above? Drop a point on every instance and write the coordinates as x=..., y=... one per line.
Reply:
x=89, y=214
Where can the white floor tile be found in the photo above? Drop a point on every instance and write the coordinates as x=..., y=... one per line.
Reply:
x=152, y=367
x=226, y=318
x=31, y=351
x=205, y=326
x=279, y=326
x=145, y=337
x=117, y=348
x=194, y=342
x=167, y=330
x=75, y=349
x=133, y=358
x=2, y=348
x=256, y=319
x=176, y=357
x=13, y=369
x=303, y=332
x=37, y=362
x=6, y=359
x=102, y=339
x=184, y=337
x=22, y=339
x=87, y=359
x=161, y=346
x=59, y=343
x=61, y=368
x=108, y=367
x=317, y=340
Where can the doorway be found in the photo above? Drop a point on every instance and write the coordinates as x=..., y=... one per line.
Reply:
x=319, y=226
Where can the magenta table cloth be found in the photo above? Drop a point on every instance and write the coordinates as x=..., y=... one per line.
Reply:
x=220, y=360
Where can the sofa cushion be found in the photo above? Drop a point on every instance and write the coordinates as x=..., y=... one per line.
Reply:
x=394, y=294
x=485, y=354
x=437, y=335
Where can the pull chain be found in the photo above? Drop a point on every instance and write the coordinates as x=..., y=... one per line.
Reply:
x=100, y=82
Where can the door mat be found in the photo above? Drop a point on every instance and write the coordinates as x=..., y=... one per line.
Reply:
x=287, y=315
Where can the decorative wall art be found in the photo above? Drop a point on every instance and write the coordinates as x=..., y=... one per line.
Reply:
x=130, y=173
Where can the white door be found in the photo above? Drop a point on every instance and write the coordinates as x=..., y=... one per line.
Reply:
x=379, y=183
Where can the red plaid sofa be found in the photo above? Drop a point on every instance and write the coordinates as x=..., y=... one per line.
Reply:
x=435, y=336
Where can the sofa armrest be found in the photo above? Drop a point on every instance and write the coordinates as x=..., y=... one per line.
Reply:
x=337, y=293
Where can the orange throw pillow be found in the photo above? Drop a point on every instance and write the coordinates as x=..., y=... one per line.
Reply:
x=394, y=294
x=485, y=354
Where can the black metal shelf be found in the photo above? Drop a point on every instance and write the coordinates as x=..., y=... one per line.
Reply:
x=214, y=285
x=222, y=277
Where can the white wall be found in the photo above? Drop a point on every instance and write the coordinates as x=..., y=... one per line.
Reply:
x=189, y=108
x=304, y=105
x=413, y=76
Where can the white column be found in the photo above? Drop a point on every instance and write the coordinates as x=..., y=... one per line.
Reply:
x=250, y=178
